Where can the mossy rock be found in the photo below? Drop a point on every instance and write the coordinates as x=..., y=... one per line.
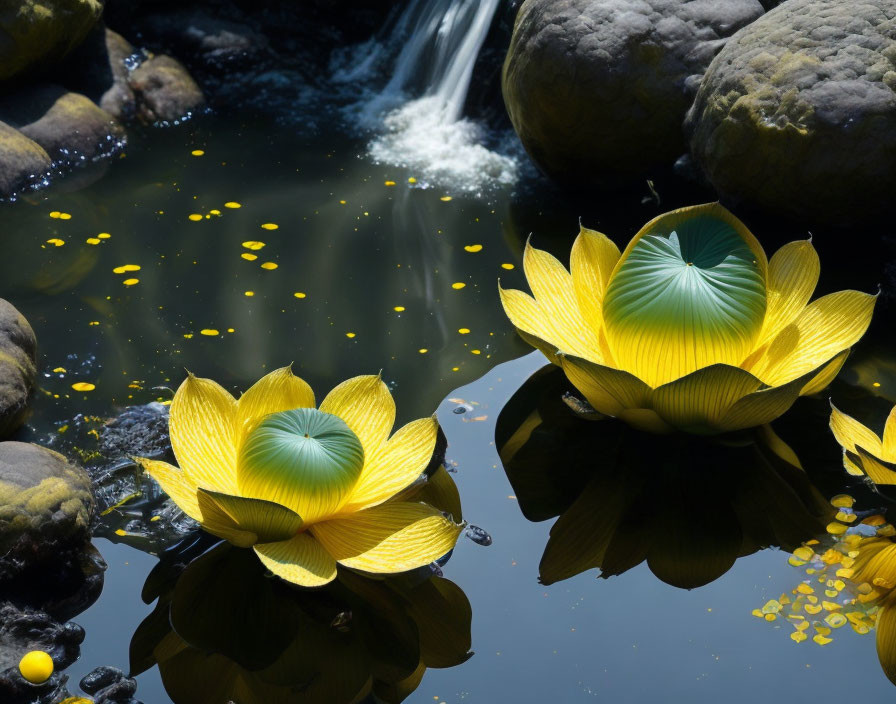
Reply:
x=46, y=507
x=18, y=366
x=796, y=116
x=35, y=33
x=598, y=89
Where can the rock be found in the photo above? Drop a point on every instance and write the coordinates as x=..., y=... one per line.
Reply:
x=18, y=370
x=23, y=163
x=46, y=508
x=797, y=114
x=100, y=69
x=165, y=90
x=38, y=32
x=598, y=89
x=67, y=125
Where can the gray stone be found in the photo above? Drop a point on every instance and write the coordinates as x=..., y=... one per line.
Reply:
x=46, y=507
x=23, y=162
x=797, y=114
x=165, y=90
x=69, y=126
x=598, y=89
x=18, y=370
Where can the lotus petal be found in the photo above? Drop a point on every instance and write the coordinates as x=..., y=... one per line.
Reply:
x=645, y=419
x=389, y=538
x=851, y=434
x=877, y=470
x=886, y=641
x=761, y=407
x=825, y=376
x=593, y=257
x=888, y=451
x=396, y=465
x=300, y=560
x=367, y=407
x=202, y=429
x=527, y=317
x=281, y=390
x=826, y=327
x=697, y=402
x=792, y=276
x=269, y=521
x=608, y=390
x=688, y=292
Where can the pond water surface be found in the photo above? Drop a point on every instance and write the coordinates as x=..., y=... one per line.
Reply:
x=377, y=272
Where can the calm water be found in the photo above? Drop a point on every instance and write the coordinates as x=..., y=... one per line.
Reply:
x=355, y=249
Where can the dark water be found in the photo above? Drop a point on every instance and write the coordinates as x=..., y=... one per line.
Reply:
x=628, y=638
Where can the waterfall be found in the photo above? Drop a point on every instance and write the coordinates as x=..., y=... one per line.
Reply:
x=419, y=112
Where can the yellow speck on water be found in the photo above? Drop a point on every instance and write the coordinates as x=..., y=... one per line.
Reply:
x=195, y=217
x=349, y=335
x=65, y=216
x=214, y=211
x=458, y=285
x=104, y=235
x=93, y=322
x=464, y=331
x=269, y=226
x=253, y=244
x=445, y=199
x=270, y=266
x=249, y=293
x=475, y=351
x=121, y=532
x=232, y=204
x=342, y=202
x=231, y=330
x=390, y=183
x=155, y=518
x=842, y=501
x=83, y=386
x=835, y=528
x=197, y=152
x=55, y=214
x=398, y=309
x=412, y=180
x=249, y=257
x=59, y=370
x=93, y=240
x=507, y=265
x=131, y=282
x=209, y=332
x=423, y=350
x=125, y=268
x=56, y=242
x=798, y=636
x=821, y=640
x=455, y=369
x=876, y=384
x=473, y=247
x=188, y=336
x=299, y=294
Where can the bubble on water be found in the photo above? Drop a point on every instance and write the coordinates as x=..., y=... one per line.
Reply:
x=478, y=535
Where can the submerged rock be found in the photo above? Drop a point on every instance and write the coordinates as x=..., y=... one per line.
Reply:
x=797, y=114
x=38, y=32
x=68, y=126
x=598, y=89
x=18, y=360
x=46, y=508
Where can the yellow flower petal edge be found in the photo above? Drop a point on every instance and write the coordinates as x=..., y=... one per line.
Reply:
x=285, y=453
x=390, y=538
x=864, y=453
x=691, y=328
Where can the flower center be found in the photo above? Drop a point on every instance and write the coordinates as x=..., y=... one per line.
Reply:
x=304, y=459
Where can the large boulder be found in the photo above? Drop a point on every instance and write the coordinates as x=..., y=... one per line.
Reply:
x=598, y=89
x=46, y=507
x=23, y=162
x=166, y=93
x=69, y=126
x=797, y=114
x=38, y=32
x=18, y=366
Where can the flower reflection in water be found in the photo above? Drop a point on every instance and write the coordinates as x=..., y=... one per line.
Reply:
x=687, y=506
x=223, y=630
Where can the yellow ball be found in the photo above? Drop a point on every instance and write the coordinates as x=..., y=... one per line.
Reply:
x=36, y=667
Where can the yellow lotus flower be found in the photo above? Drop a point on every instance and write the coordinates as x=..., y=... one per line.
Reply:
x=691, y=327
x=305, y=487
x=864, y=452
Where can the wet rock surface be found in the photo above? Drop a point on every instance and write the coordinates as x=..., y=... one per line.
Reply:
x=797, y=114
x=598, y=89
x=36, y=33
x=23, y=163
x=46, y=508
x=18, y=370
x=165, y=91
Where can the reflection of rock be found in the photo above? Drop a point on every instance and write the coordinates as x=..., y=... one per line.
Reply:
x=688, y=506
x=38, y=32
x=797, y=114
x=333, y=645
x=598, y=90
x=68, y=126
x=18, y=371
x=45, y=508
